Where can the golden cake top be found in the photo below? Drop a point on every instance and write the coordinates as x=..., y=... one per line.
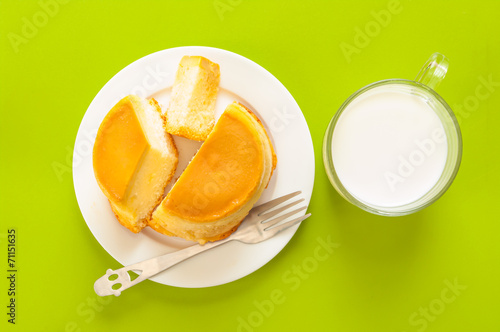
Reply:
x=118, y=149
x=225, y=172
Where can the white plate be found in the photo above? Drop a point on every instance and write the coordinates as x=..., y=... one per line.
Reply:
x=242, y=80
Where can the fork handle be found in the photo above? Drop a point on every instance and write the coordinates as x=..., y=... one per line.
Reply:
x=146, y=269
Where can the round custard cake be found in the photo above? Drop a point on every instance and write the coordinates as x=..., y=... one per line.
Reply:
x=134, y=159
x=222, y=182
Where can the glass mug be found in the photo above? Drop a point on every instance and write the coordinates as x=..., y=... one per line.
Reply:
x=394, y=146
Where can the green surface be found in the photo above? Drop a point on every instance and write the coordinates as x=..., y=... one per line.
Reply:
x=387, y=274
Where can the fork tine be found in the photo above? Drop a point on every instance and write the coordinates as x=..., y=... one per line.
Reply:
x=266, y=206
x=269, y=215
x=276, y=229
x=279, y=219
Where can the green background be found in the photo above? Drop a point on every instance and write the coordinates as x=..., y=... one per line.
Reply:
x=387, y=274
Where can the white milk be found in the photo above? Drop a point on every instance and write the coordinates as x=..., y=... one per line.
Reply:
x=389, y=147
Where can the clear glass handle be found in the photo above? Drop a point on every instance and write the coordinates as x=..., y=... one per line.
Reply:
x=434, y=71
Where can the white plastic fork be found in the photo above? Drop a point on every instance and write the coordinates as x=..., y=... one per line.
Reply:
x=257, y=227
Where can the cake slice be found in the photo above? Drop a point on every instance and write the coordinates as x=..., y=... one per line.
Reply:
x=221, y=183
x=191, y=110
x=134, y=159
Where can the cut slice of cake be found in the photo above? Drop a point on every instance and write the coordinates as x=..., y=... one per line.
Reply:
x=221, y=183
x=191, y=110
x=134, y=159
